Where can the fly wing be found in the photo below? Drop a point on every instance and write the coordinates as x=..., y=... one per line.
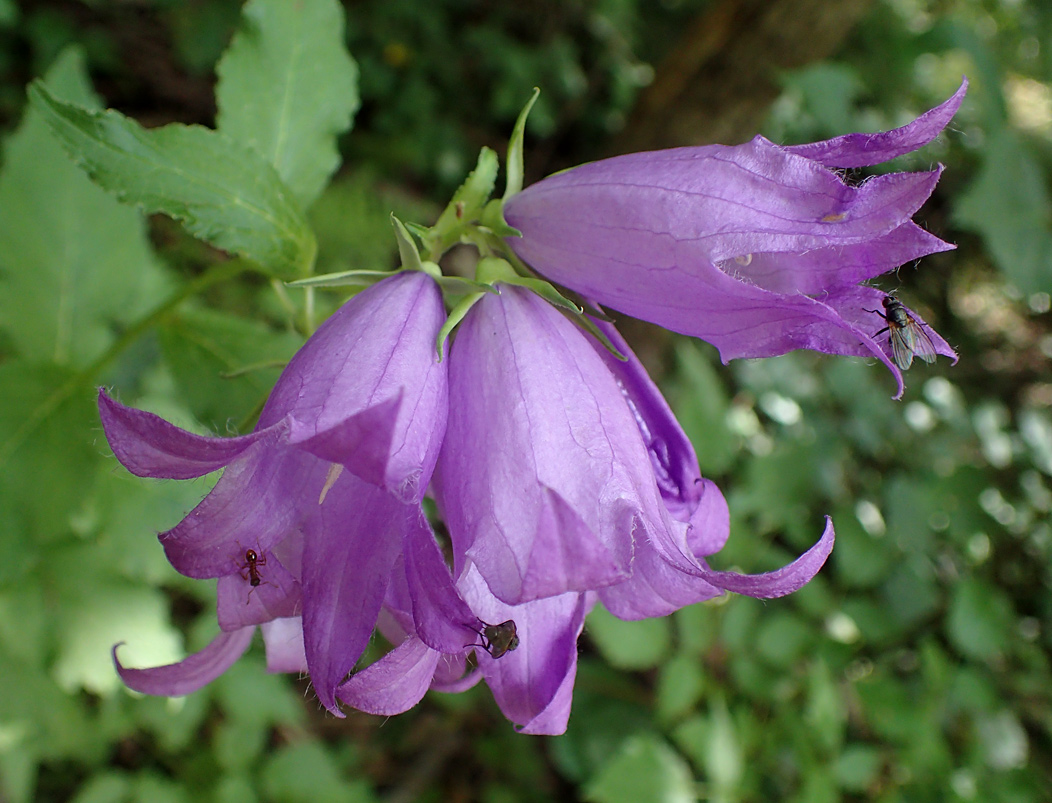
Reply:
x=921, y=345
x=902, y=346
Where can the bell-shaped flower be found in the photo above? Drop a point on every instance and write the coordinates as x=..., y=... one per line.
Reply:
x=308, y=517
x=435, y=625
x=758, y=249
x=564, y=477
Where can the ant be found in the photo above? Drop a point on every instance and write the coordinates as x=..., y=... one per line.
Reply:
x=250, y=569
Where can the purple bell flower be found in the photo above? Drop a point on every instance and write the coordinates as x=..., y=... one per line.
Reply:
x=306, y=524
x=563, y=479
x=756, y=248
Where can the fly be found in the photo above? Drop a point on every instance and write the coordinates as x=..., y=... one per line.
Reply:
x=907, y=336
x=498, y=640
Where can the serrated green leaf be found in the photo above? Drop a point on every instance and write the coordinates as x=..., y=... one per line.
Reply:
x=644, y=770
x=221, y=191
x=73, y=261
x=206, y=349
x=288, y=88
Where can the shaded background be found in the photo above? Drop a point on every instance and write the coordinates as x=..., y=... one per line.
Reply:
x=914, y=668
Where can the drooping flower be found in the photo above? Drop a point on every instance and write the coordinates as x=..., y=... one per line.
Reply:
x=756, y=248
x=308, y=518
x=564, y=479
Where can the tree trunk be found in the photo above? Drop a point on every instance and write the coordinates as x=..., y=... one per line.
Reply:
x=721, y=78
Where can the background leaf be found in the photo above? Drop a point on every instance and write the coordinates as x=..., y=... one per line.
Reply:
x=74, y=263
x=221, y=191
x=287, y=88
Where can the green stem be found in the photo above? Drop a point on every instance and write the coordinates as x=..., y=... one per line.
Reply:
x=214, y=275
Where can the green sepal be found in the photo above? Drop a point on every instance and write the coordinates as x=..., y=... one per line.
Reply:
x=514, y=165
x=492, y=219
x=589, y=326
x=407, y=250
x=547, y=291
x=456, y=315
x=491, y=270
x=416, y=229
x=359, y=278
x=465, y=206
x=458, y=285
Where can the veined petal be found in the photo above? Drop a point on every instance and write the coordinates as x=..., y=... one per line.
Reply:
x=781, y=581
x=276, y=596
x=258, y=501
x=351, y=542
x=148, y=446
x=656, y=588
x=815, y=271
x=533, y=685
x=451, y=676
x=543, y=480
x=860, y=150
x=710, y=522
x=680, y=209
x=367, y=390
x=671, y=454
x=193, y=672
x=283, y=639
x=442, y=619
x=393, y=684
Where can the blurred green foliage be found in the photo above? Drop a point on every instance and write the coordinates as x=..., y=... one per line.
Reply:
x=916, y=667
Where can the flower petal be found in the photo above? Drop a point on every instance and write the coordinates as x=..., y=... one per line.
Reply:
x=860, y=150
x=148, y=446
x=450, y=675
x=283, y=639
x=593, y=227
x=543, y=479
x=257, y=501
x=393, y=684
x=351, y=542
x=781, y=581
x=377, y=351
x=533, y=685
x=442, y=619
x=193, y=672
x=656, y=588
x=241, y=604
x=671, y=454
x=817, y=270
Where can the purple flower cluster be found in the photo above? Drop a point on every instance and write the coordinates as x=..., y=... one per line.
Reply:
x=559, y=471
